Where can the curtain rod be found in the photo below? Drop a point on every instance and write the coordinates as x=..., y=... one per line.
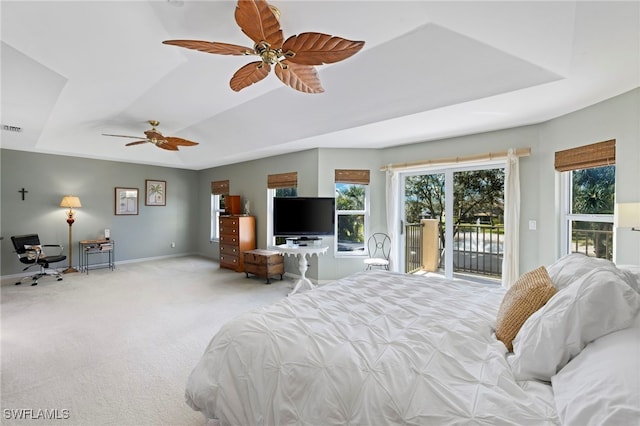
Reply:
x=520, y=152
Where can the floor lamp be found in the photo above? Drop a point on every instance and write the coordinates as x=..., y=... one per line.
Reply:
x=629, y=216
x=71, y=202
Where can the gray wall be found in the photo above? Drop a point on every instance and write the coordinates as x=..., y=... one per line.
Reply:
x=49, y=177
x=330, y=160
x=249, y=180
x=521, y=137
x=186, y=218
x=616, y=118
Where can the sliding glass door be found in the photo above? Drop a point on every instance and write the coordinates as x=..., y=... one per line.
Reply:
x=464, y=207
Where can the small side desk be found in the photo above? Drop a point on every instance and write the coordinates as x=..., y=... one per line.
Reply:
x=303, y=264
x=89, y=248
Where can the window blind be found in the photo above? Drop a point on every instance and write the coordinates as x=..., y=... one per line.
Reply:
x=360, y=177
x=220, y=187
x=283, y=180
x=584, y=157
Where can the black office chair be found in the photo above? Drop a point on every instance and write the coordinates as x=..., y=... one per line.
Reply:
x=32, y=253
x=379, y=249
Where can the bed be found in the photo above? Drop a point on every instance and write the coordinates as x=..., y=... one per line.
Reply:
x=379, y=348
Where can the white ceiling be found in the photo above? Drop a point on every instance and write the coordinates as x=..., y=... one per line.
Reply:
x=72, y=70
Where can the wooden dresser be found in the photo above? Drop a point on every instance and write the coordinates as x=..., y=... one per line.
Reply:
x=237, y=235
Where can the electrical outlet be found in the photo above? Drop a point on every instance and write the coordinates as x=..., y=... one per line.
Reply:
x=173, y=245
x=532, y=225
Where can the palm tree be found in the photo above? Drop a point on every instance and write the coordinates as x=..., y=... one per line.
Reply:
x=155, y=193
x=351, y=227
x=593, y=192
x=475, y=192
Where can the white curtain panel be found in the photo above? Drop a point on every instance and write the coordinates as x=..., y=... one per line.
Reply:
x=392, y=217
x=511, y=252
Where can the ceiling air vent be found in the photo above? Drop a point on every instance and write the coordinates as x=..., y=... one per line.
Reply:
x=11, y=128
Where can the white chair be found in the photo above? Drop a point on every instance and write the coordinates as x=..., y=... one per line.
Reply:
x=379, y=249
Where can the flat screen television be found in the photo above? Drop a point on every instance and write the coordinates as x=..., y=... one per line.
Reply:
x=303, y=216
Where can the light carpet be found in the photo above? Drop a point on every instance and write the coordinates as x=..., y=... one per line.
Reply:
x=116, y=347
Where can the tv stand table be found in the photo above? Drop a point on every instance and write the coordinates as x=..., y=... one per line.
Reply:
x=303, y=263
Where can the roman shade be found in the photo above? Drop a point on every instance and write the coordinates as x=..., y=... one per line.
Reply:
x=360, y=177
x=220, y=187
x=283, y=180
x=584, y=157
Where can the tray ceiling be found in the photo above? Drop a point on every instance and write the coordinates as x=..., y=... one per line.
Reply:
x=429, y=70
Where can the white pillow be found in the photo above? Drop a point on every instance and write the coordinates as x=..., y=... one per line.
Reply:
x=33, y=251
x=633, y=272
x=569, y=268
x=598, y=303
x=601, y=386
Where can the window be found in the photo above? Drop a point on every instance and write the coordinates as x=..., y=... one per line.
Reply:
x=218, y=191
x=588, y=199
x=588, y=214
x=352, y=211
x=279, y=185
x=217, y=206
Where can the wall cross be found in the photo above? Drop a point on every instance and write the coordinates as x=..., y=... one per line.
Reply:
x=23, y=191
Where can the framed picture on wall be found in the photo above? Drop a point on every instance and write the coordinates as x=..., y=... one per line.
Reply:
x=155, y=192
x=126, y=201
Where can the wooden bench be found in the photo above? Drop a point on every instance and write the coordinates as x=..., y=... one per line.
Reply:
x=263, y=263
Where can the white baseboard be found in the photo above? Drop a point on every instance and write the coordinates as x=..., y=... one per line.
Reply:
x=287, y=275
x=146, y=259
x=118, y=262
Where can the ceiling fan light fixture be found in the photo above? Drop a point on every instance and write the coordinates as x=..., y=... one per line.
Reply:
x=155, y=137
x=259, y=21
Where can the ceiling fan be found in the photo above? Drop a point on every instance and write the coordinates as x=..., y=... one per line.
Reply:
x=293, y=60
x=155, y=137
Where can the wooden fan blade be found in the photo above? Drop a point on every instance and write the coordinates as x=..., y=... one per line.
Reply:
x=136, y=143
x=122, y=136
x=318, y=48
x=256, y=19
x=300, y=77
x=249, y=74
x=180, y=141
x=167, y=145
x=212, y=47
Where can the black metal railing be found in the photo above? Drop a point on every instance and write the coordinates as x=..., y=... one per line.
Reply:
x=413, y=248
x=593, y=242
x=477, y=249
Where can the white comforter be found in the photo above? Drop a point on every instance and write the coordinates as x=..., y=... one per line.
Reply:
x=371, y=349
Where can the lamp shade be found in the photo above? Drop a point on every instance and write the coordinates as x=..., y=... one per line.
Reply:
x=628, y=215
x=70, y=201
